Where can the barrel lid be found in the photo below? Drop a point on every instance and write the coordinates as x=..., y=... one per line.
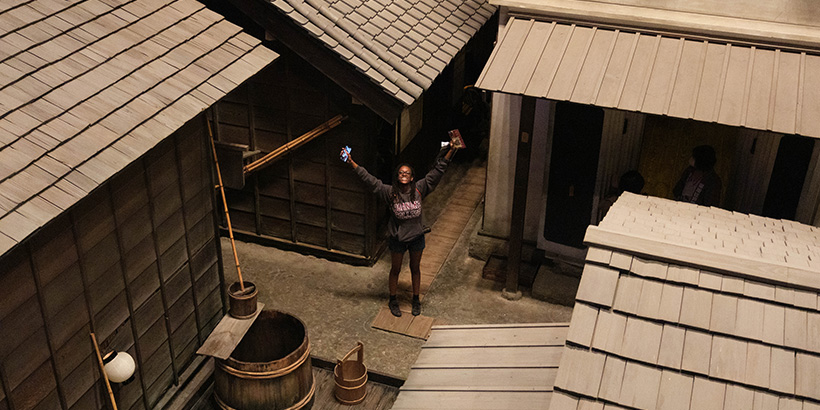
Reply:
x=227, y=335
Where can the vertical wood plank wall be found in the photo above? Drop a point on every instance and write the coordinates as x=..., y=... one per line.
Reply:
x=308, y=198
x=136, y=263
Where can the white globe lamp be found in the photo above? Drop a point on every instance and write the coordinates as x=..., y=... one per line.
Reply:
x=119, y=367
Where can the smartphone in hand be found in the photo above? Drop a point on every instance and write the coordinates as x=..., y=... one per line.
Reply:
x=346, y=153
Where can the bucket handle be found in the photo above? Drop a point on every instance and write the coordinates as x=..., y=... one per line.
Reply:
x=360, y=348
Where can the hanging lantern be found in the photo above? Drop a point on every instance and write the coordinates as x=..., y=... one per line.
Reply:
x=119, y=366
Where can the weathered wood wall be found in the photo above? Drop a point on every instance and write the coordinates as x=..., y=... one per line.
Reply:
x=308, y=198
x=136, y=262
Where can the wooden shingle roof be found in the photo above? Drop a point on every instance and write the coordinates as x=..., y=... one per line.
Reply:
x=401, y=45
x=87, y=86
x=689, y=307
x=762, y=87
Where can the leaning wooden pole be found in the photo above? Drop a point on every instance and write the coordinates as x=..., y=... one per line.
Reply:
x=274, y=155
x=225, y=204
x=102, y=370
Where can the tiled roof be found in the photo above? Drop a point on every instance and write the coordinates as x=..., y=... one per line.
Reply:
x=87, y=86
x=402, y=45
x=483, y=367
x=671, y=331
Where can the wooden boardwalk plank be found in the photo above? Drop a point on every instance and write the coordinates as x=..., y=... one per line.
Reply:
x=533, y=336
x=498, y=380
x=489, y=357
x=473, y=400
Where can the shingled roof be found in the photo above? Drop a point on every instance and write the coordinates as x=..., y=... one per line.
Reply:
x=88, y=86
x=401, y=45
x=689, y=307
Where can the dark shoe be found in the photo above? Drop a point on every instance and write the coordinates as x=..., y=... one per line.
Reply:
x=394, y=308
x=416, y=307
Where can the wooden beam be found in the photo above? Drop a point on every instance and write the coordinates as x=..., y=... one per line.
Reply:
x=519, y=206
x=128, y=299
x=46, y=324
x=188, y=250
x=4, y=382
x=163, y=294
x=323, y=59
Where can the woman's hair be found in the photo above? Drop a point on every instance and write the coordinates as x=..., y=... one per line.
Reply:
x=705, y=157
x=394, y=193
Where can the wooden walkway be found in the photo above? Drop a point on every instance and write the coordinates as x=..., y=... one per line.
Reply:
x=439, y=242
x=483, y=367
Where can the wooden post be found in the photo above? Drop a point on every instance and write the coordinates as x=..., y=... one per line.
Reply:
x=102, y=371
x=519, y=206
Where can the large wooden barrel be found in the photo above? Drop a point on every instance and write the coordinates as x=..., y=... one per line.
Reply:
x=270, y=369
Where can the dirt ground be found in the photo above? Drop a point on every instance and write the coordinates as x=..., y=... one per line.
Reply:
x=338, y=302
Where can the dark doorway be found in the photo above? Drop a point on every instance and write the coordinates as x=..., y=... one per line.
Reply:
x=788, y=175
x=576, y=143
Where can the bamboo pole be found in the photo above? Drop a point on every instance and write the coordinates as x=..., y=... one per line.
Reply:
x=296, y=143
x=225, y=204
x=102, y=370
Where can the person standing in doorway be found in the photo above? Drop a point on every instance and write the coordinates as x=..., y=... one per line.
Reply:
x=699, y=183
x=403, y=198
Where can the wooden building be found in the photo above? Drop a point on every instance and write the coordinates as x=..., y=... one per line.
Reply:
x=106, y=196
x=393, y=70
x=603, y=87
x=689, y=307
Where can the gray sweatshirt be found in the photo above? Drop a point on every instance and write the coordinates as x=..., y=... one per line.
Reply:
x=405, y=215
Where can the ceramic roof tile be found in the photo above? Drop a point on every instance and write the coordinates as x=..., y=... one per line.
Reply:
x=749, y=322
x=774, y=318
x=650, y=299
x=728, y=359
x=696, y=308
x=390, y=22
x=598, y=285
x=640, y=386
x=609, y=332
x=670, y=353
x=612, y=379
x=583, y=317
x=758, y=365
x=782, y=371
x=724, y=314
x=696, y=351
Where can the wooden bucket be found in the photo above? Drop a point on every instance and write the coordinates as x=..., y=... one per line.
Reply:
x=270, y=369
x=242, y=305
x=351, y=377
